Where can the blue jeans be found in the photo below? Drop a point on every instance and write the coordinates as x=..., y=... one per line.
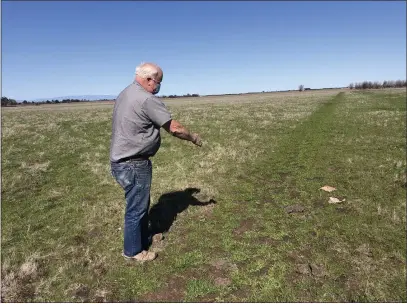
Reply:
x=135, y=179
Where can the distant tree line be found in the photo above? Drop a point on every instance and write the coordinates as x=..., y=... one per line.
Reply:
x=180, y=96
x=6, y=102
x=378, y=85
x=63, y=101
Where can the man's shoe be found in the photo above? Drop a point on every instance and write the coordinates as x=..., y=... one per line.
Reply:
x=142, y=256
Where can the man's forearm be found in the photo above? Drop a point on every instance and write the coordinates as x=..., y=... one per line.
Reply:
x=183, y=133
x=178, y=130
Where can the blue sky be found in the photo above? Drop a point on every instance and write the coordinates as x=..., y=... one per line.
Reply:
x=56, y=48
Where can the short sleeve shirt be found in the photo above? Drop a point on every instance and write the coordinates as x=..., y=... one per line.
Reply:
x=137, y=118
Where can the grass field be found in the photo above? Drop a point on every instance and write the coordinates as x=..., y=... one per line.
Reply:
x=271, y=235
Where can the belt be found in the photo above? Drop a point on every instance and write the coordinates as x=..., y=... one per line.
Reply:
x=136, y=157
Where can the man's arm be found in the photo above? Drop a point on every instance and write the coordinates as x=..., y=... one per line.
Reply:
x=176, y=129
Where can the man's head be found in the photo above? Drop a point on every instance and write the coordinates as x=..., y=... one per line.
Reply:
x=149, y=76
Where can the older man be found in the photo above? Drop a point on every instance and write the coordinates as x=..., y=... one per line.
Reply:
x=138, y=116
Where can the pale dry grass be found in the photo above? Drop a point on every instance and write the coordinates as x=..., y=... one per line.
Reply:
x=33, y=168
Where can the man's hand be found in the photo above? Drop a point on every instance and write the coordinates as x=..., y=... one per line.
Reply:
x=197, y=140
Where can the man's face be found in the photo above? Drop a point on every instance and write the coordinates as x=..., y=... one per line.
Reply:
x=154, y=84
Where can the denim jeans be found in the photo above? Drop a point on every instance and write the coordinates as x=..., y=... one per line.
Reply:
x=135, y=179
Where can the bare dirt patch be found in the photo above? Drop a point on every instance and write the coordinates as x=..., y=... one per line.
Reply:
x=102, y=296
x=221, y=267
x=222, y=281
x=20, y=285
x=208, y=298
x=220, y=271
x=172, y=291
x=79, y=291
x=14, y=289
x=310, y=270
x=245, y=225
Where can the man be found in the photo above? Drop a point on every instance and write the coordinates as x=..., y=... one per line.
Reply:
x=138, y=116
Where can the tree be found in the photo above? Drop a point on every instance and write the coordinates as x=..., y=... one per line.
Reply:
x=351, y=86
x=301, y=88
x=8, y=102
x=4, y=101
x=376, y=85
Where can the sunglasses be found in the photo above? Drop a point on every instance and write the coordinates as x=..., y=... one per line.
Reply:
x=154, y=80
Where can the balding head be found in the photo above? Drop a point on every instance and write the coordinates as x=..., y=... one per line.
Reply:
x=149, y=76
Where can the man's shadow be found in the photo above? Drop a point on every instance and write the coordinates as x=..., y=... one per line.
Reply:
x=163, y=214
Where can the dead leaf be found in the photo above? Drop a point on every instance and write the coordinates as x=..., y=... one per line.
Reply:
x=328, y=188
x=334, y=200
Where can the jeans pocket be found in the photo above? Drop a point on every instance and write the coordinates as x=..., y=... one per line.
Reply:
x=124, y=177
x=143, y=174
x=143, y=164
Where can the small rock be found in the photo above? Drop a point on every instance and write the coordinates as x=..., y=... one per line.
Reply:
x=294, y=209
x=318, y=270
x=303, y=269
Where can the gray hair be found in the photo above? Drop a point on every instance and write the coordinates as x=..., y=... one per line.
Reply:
x=147, y=70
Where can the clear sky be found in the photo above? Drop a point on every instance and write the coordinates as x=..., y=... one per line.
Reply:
x=56, y=48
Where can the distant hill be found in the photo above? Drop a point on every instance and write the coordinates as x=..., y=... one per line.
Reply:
x=85, y=97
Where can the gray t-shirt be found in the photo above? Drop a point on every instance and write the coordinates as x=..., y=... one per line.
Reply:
x=137, y=118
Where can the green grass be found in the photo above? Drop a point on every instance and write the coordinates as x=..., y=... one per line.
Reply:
x=62, y=212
